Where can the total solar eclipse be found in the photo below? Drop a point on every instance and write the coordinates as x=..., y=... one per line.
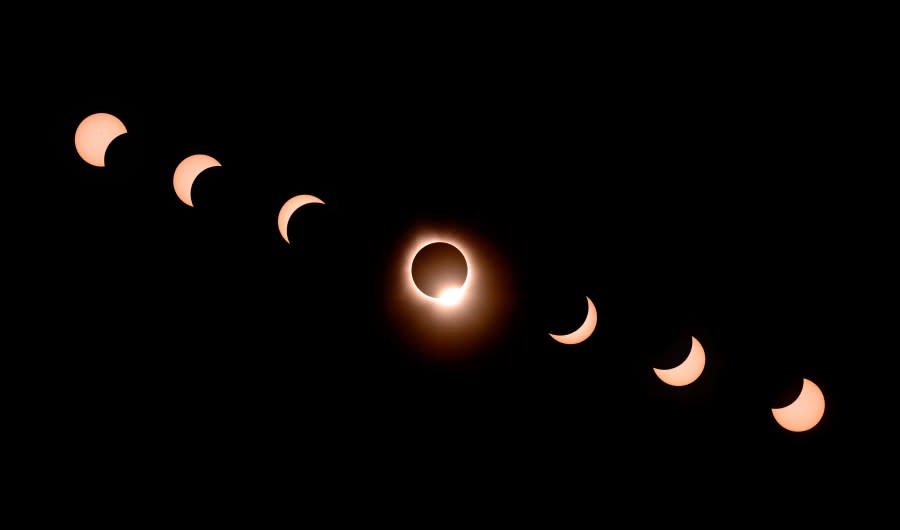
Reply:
x=440, y=270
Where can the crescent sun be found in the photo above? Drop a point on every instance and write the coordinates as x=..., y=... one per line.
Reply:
x=805, y=412
x=291, y=206
x=187, y=171
x=689, y=370
x=584, y=331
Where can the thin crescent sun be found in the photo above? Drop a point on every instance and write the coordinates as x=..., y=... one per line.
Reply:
x=689, y=370
x=187, y=171
x=291, y=206
x=805, y=412
x=584, y=331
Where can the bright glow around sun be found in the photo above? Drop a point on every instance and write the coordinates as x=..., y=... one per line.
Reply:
x=459, y=316
x=450, y=296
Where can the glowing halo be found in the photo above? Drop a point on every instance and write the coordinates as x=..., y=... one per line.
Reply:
x=455, y=320
x=449, y=297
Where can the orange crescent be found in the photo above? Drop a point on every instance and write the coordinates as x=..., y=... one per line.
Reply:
x=805, y=412
x=584, y=331
x=689, y=370
x=292, y=205
x=187, y=172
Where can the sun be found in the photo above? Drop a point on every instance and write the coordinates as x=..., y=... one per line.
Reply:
x=450, y=296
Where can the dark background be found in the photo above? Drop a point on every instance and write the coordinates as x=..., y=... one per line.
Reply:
x=689, y=184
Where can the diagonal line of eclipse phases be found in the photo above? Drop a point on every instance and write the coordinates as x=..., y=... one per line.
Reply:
x=96, y=132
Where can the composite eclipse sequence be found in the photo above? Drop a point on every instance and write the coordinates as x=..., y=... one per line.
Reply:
x=447, y=284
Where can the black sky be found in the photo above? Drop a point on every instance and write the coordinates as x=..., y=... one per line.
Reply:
x=713, y=194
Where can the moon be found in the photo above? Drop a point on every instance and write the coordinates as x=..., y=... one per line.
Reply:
x=584, y=331
x=187, y=172
x=805, y=412
x=448, y=280
x=689, y=370
x=94, y=134
x=291, y=206
x=439, y=271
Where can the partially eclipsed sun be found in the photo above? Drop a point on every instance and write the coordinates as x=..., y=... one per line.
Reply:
x=584, y=331
x=805, y=412
x=689, y=370
x=94, y=134
x=187, y=171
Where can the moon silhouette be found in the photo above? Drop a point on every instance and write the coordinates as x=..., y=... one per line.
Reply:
x=94, y=134
x=439, y=270
x=446, y=275
x=805, y=412
x=584, y=331
x=187, y=172
x=291, y=206
x=689, y=370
